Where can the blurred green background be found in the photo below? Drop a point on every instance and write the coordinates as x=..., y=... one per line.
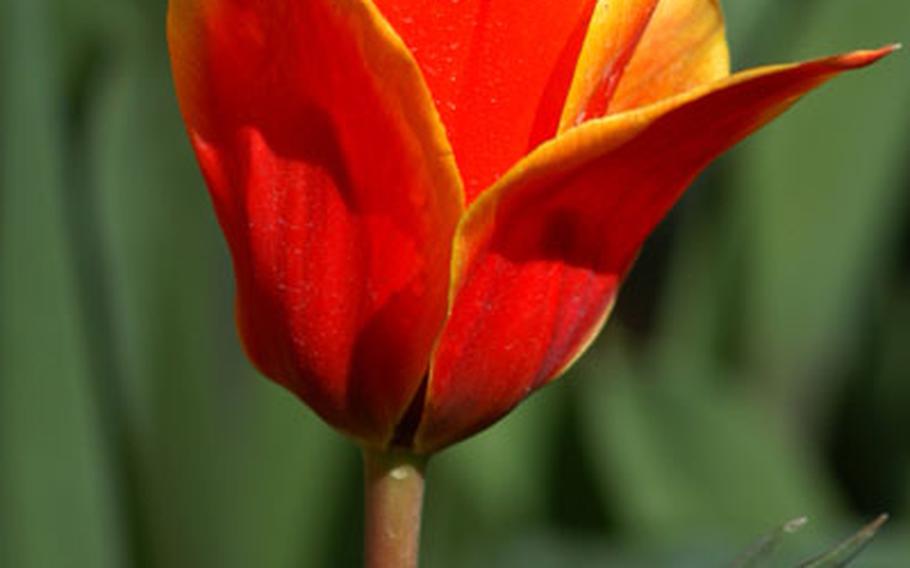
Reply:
x=757, y=369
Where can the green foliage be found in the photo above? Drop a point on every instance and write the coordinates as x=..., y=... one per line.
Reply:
x=763, y=552
x=756, y=369
x=845, y=552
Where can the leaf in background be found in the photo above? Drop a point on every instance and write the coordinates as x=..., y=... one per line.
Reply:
x=746, y=22
x=761, y=552
x=765, y=31
x=846, y=551
x=696, y=314
x=55, y=505
x=892, y=399
x=677, y=457
x=556, y=549
x=820, y=201
x=886, y=420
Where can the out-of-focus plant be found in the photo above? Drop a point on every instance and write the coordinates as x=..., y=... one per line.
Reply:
x=762, y=552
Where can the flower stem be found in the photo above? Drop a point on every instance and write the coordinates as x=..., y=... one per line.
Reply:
x=394, y=499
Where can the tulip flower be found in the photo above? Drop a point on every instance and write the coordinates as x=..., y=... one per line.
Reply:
x=430, y=206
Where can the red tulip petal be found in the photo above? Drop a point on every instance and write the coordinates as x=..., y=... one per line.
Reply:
x=641, y=51
x=334, y=184
x=539, y=257
x=499, y=71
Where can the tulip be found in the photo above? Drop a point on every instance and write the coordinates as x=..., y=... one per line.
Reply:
x=430, y=206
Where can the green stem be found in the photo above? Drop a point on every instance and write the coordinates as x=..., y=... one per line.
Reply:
x=393, y=502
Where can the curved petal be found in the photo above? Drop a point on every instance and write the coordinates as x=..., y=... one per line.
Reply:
x=613, y=36
x=684, y=47
x=336, y=189
x=641, y=51
x=538, y=259
x=499, y=71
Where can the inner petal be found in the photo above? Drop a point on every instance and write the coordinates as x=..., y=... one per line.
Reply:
x=683, y=47
x=499, y=71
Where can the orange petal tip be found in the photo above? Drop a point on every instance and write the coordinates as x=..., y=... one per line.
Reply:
x=864, y=57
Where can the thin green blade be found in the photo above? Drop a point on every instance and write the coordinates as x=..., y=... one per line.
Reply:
x=843, y=553
x=762, y=550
